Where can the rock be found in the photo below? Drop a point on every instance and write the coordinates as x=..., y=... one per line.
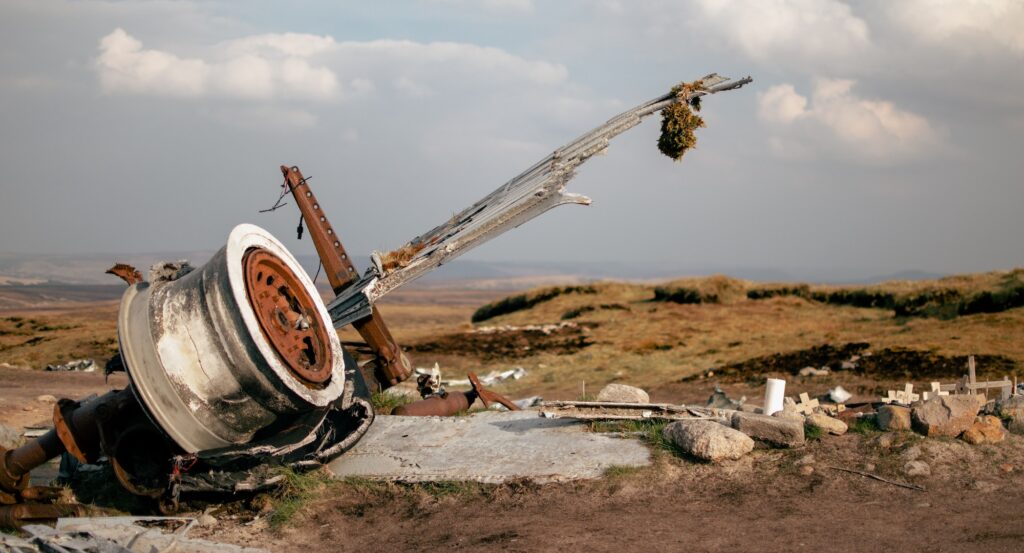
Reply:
x=46, y=398
x=262, y=504
x=750, y=408
x=206, y=519
x=806, y=460
x=945, y=415
x=911, y=453
x=869, y=467
x=1012, y=411
x=10, y=438
x=789, y=415
x=621, y=393
x=826, y=423
x=1006, y=467
x=917, y=468
x=893, y=417
x=708, y=440
x=774, y=431
x=886, y=441
x=811, y=371
x=986, y=430
x=807, y=470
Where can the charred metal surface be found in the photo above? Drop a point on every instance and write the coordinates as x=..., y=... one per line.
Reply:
x=391, y=365
x=125, y=272
x=533, y=192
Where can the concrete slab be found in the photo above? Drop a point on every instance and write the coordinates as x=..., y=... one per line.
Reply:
x=486, y=447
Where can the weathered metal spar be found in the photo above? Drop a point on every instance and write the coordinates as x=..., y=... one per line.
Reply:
x=531, y=193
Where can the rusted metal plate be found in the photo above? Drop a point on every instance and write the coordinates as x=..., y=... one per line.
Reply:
x=287, y=316
x=531, y=193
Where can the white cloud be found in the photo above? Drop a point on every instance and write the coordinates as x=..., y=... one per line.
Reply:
x=493, y=6
x=242, y=71
x=836, y=121
x=963, y=25
x=783, y=31
x=307, y=67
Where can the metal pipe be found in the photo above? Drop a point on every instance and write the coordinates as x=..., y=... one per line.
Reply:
x=15, y=464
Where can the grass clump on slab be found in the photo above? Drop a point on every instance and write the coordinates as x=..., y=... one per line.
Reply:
x=679, y=121
x=384, y=403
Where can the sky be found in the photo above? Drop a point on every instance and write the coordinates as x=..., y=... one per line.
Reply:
x=877, y=136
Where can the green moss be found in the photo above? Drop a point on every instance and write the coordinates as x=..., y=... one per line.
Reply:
x=678, y=123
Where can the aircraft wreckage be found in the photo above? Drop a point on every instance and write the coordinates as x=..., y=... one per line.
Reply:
x=235, y=369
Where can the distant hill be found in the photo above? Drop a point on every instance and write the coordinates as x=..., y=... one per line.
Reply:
x=90, y=269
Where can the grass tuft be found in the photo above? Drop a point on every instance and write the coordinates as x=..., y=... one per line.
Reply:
x=386, y=403
x=297, y=490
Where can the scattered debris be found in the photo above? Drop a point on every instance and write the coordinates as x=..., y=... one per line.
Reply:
x=78, y=365
x=807, y=405
x=622, y=393
x=720, y=400
x=428, y=381
x=126, y=272
x=708, y=440
x=774, y=392
x=491, y=378
x=117, y=534
x=839, y=395
x=811, y=371
x=906, y=396
x=880, y=479
x=599, y=410
x=451, y=403
x=46, y=398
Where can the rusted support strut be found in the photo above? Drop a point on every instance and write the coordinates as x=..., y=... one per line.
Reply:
x=392, y=366
x=454, y=402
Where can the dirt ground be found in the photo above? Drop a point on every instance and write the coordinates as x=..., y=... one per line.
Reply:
x=762, y=502
x=772, y=500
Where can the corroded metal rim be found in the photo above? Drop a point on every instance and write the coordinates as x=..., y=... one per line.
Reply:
x=288, y=316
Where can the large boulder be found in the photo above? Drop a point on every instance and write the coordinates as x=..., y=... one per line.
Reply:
x=827, y=423
x=893, y=417
x=622, y=393
x=985, y=430
x=774, y=431
x=945, y=415
x=708, y=440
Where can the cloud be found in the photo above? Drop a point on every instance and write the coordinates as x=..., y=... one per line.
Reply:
x=784, y=31
x=310, y=67
x=963, y=25
x=493, y=6
x=836, y=121
x=258, y=67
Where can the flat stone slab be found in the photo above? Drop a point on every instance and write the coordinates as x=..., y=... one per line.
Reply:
x=490, y=447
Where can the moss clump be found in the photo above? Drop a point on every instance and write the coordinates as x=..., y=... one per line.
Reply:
x=679, y=121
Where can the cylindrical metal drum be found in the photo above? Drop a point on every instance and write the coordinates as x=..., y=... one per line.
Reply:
x=225, y=350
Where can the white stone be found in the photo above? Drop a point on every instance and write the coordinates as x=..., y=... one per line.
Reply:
x=622, y=393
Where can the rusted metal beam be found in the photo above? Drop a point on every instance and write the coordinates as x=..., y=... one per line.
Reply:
x=392, y=366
